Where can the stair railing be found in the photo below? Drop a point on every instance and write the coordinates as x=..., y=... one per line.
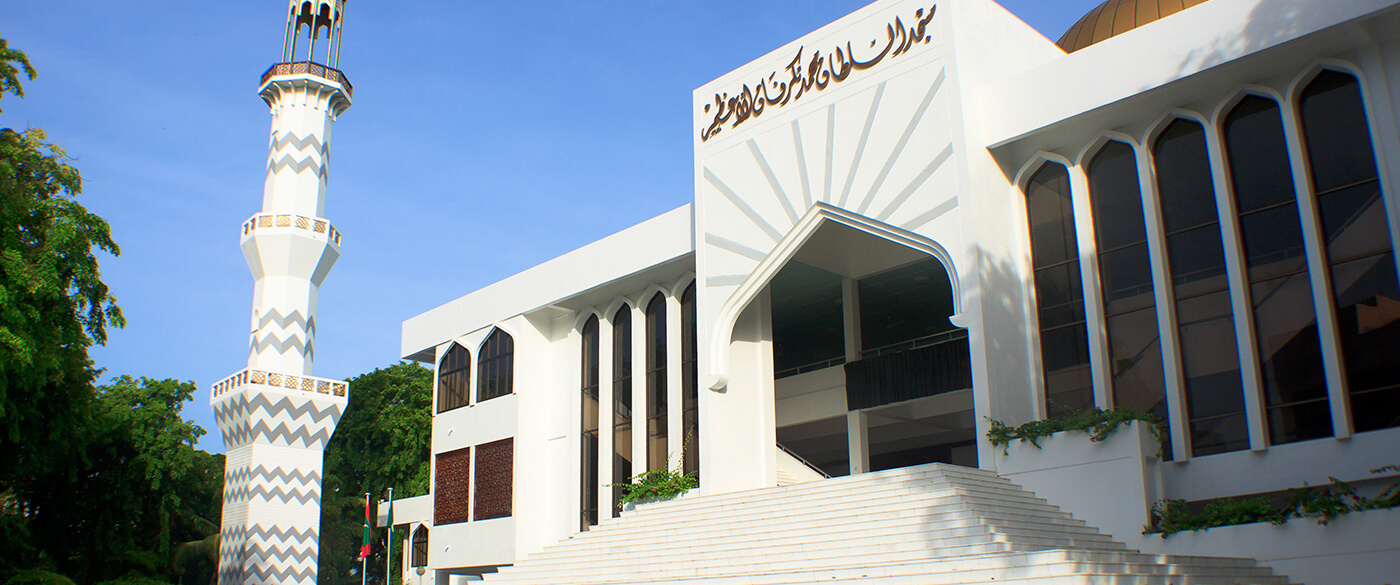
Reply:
x=803, y=461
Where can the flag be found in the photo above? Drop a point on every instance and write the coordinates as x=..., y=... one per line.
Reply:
x=364, y=548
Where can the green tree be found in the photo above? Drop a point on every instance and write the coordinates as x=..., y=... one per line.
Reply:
x=382, y=442
x=53, y=303
x=139, y=489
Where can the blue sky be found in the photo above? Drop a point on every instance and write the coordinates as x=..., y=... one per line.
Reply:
x=485, y=138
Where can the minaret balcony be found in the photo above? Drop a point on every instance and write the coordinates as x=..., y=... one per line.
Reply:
x=316, y=227
x=312, y=69
x=305, y=384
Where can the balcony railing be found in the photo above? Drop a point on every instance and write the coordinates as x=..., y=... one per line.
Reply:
x=314, y=225
x=307, y=384
x=309, y=68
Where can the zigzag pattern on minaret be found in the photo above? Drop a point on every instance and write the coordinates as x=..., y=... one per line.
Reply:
x=272, y=551
x=264, y=341
x=300, y=166
x=245, y=475
x=281, y=140
x=273, y=316
x=276, y=495
x=235, y=418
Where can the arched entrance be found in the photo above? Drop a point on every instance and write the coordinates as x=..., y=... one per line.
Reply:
x=853, y=327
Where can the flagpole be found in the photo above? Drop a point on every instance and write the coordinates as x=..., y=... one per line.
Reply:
x=364, y=558
x=389, y=544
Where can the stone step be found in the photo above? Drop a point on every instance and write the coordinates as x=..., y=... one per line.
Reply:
x=1035, y=567
x=818, y=531
x=903, y=538
x=1024, y=505
x=940, y=509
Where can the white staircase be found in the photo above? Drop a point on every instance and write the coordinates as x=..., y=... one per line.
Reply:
x=930, y=524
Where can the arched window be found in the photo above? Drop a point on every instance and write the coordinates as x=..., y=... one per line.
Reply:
x=690, y=381
x=589, y=467
x=496, y=367
x=418, y=557
x=656, y=383
x=1134, y=346
x=1357, y=238
x=1285, y=324
x=1205, y=323
x=622, y=402
x=454, y=377
x=1064, y=342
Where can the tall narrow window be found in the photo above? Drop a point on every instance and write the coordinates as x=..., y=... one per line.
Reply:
x=454, y=373
x=690, y=380
x=1285, y=324
x=1359, y=254
x=496, y=370
x=1064, y=342
x=1205, y=322
x=622, y=402
x=656, y=383
x=589, y=480
x=419, y=555
x=1134, y=346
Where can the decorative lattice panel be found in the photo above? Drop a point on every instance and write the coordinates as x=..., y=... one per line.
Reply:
x=495, y=476
x=452, y=496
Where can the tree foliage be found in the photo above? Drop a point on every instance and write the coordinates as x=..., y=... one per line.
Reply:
x=53, y=303
x=382, y=442
x=137, y=491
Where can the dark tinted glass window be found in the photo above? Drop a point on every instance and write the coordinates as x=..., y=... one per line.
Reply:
x=1285, y=324
x=905, y=305
x=1360, y=257
x=454, y=376
x=419, y=556
x=808, y=321
x=656, y=383
x=690, y=380
x=622, y=402
x=589, y=425
x=496, y=367
x=1064, y=341
x=1196, y=262
x=1125, y=269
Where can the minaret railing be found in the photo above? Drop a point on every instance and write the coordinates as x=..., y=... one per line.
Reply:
x=313, y=69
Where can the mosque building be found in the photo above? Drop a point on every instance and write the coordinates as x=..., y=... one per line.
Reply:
x=926, y=218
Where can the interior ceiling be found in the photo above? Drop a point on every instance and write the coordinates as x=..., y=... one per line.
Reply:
x=852, y=253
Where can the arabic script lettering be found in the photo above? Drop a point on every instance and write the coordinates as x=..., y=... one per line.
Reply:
x=800, y=78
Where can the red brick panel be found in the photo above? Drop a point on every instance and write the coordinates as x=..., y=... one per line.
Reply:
x=452, y=496
x=495, y=477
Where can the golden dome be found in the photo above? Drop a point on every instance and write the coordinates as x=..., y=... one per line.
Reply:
x=1115, y=17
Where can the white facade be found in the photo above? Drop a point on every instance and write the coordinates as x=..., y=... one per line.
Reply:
x=916, y=135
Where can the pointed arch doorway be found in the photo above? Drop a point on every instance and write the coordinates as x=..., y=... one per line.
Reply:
x=849, y=332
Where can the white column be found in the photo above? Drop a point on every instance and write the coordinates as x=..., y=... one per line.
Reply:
x=850, y=317
x=1166, y=308
x=1240, y=305
x=858, y=438
x=675, y=428
x=606, y=414
x=1095, y=319
x=639, y=387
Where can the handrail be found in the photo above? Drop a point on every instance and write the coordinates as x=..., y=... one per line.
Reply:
x=313, y=69
x=926, y=341
x=803, y=461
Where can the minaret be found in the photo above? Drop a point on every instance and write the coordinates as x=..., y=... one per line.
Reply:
x=275, y=417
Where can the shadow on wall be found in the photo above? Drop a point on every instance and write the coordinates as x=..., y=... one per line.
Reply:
x=1003, y=294
x=1271, y=22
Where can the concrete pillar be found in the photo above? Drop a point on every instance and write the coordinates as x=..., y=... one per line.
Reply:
x=858, y=437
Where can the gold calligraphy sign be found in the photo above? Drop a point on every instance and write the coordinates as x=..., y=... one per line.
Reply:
x=822, y=71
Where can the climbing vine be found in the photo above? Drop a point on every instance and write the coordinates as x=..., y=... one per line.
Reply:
x=1098, y=423
x=1323, y=504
